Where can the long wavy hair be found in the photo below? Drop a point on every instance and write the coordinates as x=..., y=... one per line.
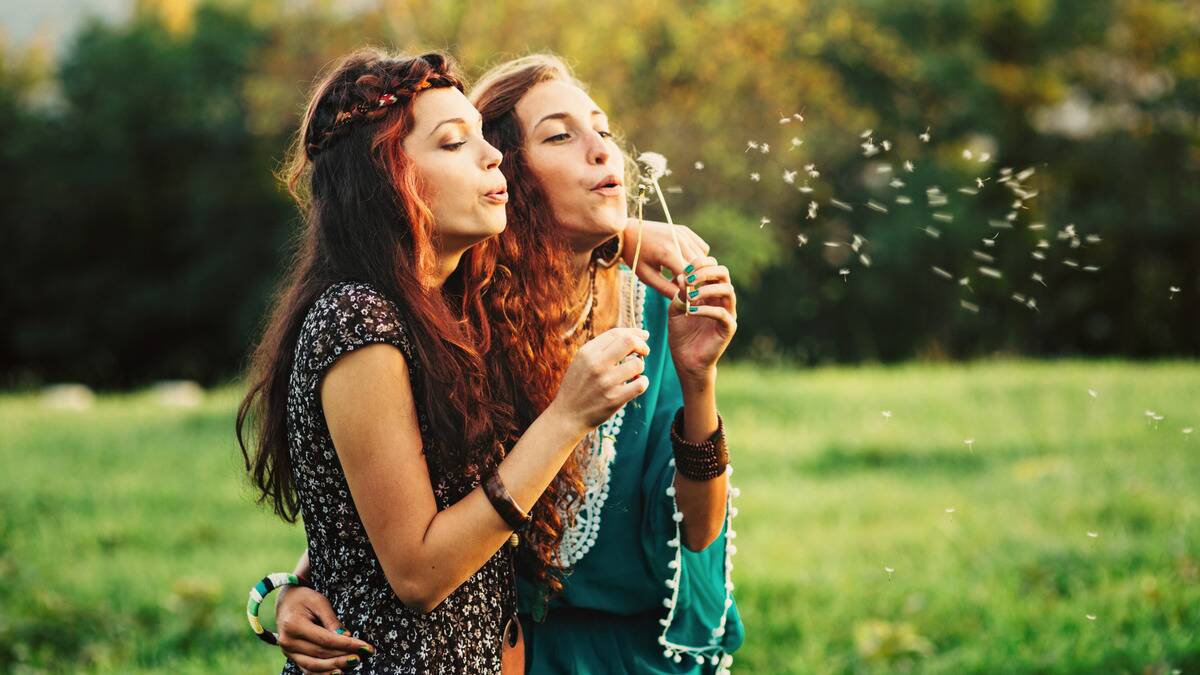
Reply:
x=366, y=218
x=530, y=299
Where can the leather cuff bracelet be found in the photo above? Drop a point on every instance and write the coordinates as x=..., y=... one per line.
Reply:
x=503, y=502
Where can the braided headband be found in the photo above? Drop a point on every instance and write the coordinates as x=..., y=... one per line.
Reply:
x=260, y=591
x=365, y=108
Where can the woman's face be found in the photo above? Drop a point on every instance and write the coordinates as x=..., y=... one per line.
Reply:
x=571, y=152
x=466, y=191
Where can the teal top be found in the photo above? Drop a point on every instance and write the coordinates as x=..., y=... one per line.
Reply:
x=609, y=617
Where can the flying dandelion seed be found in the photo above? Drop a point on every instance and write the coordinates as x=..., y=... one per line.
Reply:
x=751, y=145
x=796, y=142
x=1037, y=226
x=943, y=273
x=1025, y=174
x=1090, y=617
x=844, y=272
x=801, y=240
x=990, y=272
x=1032, y=304
x=944, y=217
x=950, y=510
x=903, y=200
x=755, y=177
x=1093, y=535
x=1038, y=255
x=811, y=170
x=1173, y=290
x=981, y=256
x=887, y=414
x=876, y=206
x=833, y=244
x=867, y=134
x=988, y=243
x=1187, y=430
x=889, y=571
x=798, y=117
x=1018, y=298
x=896, y=183
x=1091, y=268
x=932, y=231
x=857, y=243
x=970, y=443
x=883, y=168
x=886, y=145
x=999, y=225
x=805, y=188
x=840, y=204
x=812, y=210
x=967, y=154
x=699, y=166
x=909, y=167
x=789, y=177
x=968, y=191
x=925, y=136
x=969, y=306
x=765, y=148
x=983, y=157
x=980, y=181
x=1093, y=239
x=1070, y=263
x=864, y=259
x=763, y=222
x=869, y=149
x=1093, y=393
x=785, y=120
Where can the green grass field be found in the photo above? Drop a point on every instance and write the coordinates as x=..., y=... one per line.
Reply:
x=128, y=537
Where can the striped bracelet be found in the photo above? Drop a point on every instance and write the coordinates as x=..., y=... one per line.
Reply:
x=260, y=591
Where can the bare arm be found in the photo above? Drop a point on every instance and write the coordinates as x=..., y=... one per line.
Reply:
x=425, y=553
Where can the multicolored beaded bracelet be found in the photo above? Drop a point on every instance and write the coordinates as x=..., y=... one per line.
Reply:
x=260, y=591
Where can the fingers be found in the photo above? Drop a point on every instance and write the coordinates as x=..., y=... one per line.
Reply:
x=721, y=314
x=631, y=390
x=704, y=273
x=715, y=294
x=696, y=240
x=630, y=368
x=325, y=666
x=652, y=277
x=619, y=343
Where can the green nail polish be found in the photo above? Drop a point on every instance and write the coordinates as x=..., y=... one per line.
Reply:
x=352, y=660
x=366, y=652
x=694, y=294
x=692, y=279
x=340, y=631
x=693, y=308
x=688, y=269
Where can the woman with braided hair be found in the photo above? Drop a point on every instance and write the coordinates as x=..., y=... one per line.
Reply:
x=372, y=408
x=641, y=581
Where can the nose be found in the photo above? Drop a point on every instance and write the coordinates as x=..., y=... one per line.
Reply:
x=491, y=156
x=597, y=149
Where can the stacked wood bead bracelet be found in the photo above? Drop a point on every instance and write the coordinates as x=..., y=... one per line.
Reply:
x=699, y=461
x=260, y=591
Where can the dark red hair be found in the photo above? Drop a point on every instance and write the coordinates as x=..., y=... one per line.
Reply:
x=365, y=219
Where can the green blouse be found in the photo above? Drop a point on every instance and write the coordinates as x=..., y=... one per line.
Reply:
x=616, y=600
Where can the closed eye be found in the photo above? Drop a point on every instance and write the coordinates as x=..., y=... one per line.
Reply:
x=559, y=137
x=454, y=146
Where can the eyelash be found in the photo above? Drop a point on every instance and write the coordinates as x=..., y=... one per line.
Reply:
x=603, y=134
x=454, y=146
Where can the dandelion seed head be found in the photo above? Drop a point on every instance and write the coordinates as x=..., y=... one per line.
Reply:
x=655, y=163
x=924, y=136
x=755, y=177
x=801, y=240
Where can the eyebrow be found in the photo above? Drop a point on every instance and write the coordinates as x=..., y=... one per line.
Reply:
x=454, y=120
x=563, y=115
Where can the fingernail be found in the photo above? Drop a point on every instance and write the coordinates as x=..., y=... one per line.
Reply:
x=692, y=279
x=337, y=672
x=340, y=631
x=688, y=269
x=693, y=308
x=366, y=651
x=352, y=660
x=693, y=294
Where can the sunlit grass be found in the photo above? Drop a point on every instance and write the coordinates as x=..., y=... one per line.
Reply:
x=128, y=538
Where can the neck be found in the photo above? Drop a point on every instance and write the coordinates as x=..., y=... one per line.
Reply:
x=446, y=264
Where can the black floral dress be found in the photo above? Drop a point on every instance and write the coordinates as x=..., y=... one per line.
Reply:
x=463, y=634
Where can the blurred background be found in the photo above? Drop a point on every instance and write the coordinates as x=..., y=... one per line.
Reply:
x=966, y=238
